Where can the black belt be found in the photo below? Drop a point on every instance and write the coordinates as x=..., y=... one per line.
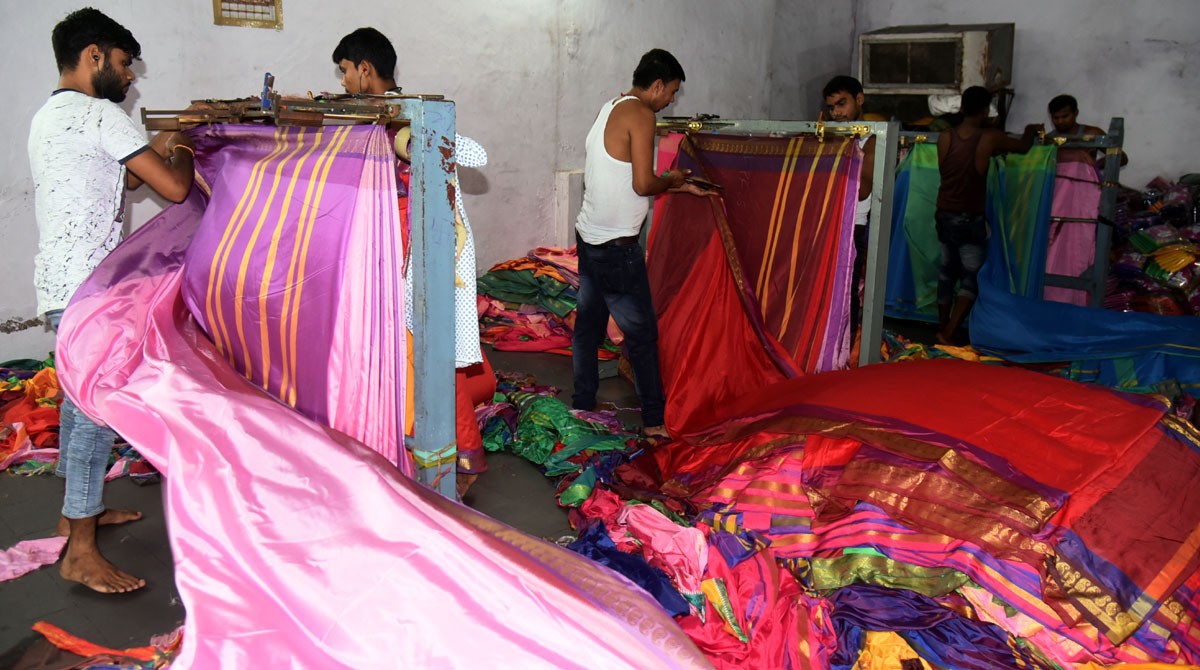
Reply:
x=620, y=241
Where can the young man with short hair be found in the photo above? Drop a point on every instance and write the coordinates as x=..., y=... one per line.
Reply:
x=619, y=181
x=367, y=61
x=85, y=152
x=844, y=99
x=1064, y=114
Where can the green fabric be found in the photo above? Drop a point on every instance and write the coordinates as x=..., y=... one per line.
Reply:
x=579, y=490
x=1020, y=187
x=827, y=574
x=544, y=422
x=522, y=286
x=923, y=248
x=558, y=464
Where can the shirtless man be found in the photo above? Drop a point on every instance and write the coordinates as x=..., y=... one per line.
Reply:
x=963, y=155
x=84, y=151
x=619, y=181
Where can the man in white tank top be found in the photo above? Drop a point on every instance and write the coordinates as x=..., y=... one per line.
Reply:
x=619, y=181
x=844, y=99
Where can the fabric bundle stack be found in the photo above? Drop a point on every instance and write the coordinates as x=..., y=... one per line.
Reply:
x=528, y=304
x=1156, y=252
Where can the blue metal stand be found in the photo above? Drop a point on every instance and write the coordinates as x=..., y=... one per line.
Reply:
x=431, y=199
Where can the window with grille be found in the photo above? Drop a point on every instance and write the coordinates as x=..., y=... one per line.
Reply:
x=252, y=13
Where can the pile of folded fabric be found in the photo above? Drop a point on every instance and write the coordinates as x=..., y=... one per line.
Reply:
x=528, y=304
x=1156, y=251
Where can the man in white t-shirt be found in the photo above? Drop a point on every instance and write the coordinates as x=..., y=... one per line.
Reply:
x=844, y=99
x=84, y=152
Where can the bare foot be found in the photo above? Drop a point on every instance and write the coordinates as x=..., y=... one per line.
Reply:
x=656, y=432
x=463, y=483
x=95, y=572
x=110, y=517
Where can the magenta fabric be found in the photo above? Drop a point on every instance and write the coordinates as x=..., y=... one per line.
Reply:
x=295, y=271
x=29, y=555
x=297, y=546
x=1072, y=244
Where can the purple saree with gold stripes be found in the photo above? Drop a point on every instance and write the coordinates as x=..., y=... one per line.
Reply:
x=295, y=271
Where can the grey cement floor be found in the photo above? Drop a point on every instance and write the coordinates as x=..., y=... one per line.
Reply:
x=512, y=491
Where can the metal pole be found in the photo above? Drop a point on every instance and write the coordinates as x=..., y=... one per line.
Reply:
x=431, y=198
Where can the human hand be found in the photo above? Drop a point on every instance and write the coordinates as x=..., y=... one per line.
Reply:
x=675, y=178
x=693, y=189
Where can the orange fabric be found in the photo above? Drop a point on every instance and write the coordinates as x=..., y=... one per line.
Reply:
x=80, y=647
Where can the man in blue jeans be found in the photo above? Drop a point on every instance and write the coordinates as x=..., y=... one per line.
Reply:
x=84, y=152
x=619, y=181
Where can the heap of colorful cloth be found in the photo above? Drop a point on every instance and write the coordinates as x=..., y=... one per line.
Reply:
x=1000, y=518
x=1156, y=251
x=29, y=400
x=528, y=304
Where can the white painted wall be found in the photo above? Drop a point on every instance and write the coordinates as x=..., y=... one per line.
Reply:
x=1139, y=60
x=527, y=77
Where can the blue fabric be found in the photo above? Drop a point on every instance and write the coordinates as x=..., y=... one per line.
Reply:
x=595, y=543
x=939, y=635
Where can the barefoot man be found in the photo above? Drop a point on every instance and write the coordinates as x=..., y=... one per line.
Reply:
x=84, y=152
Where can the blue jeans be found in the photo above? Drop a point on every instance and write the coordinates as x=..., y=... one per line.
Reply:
x=963, y=239
x=83, y=451
x=612, y=280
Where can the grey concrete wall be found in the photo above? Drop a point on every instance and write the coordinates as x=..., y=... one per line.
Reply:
x=1139, y=60
x=527, y=78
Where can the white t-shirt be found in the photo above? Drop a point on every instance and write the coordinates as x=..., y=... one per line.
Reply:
x=78, y=146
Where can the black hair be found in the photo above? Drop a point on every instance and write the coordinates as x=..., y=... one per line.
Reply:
x=1061, y=102
x=657, y=64
x=841, y=83
x=85, y=27
x=368, y=44
x=975, y=100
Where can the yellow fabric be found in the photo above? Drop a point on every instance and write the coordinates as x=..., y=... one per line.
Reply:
x=886, y=650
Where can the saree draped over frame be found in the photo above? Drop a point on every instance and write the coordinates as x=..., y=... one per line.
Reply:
x=753, y=286
x=295, y=545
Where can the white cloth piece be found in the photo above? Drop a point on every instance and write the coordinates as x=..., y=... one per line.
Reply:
x=948, y=103
x=78, y=146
